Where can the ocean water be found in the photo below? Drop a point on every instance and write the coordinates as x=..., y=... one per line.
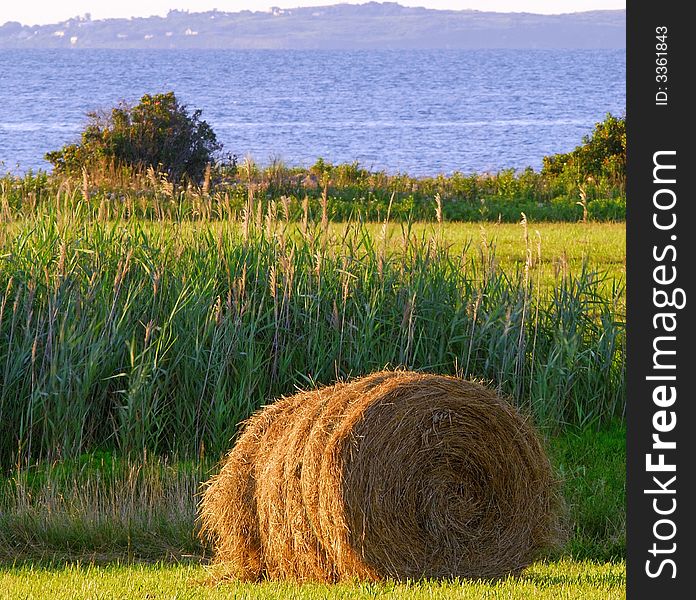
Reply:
x=423, y=111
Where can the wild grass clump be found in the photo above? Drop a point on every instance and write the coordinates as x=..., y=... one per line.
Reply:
x=118, y=334
x=104, y=508
x=99, y=508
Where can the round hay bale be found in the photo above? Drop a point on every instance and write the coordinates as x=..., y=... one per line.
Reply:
x=439, y=477
x=291, y=547
x=228, y=507
x=343, y=563
x=397, y=474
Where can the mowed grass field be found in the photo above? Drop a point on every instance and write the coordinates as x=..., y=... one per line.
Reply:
x=544, y=581
x=116, y=337
x=552, y=249
x=556, y=248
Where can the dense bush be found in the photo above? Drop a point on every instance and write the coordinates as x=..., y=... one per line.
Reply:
x=159, y=132
x=600, y=160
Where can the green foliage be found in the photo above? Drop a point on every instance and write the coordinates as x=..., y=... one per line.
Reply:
x=592, y=465
x=586, y=184
x=119, y=335
x=368, y=196
x=158, y=132
x=600, y=160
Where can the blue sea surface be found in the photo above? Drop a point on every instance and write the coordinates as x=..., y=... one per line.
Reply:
x=422, y=111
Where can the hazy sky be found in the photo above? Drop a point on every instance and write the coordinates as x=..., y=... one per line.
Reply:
x=36, y=12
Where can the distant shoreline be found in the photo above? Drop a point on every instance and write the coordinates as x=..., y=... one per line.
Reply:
x=370, y=26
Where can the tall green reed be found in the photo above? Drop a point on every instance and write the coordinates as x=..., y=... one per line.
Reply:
x=161, y=337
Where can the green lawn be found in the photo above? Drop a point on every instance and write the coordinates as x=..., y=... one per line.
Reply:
x=552, y=581
x=561, y=246
x=602, y=244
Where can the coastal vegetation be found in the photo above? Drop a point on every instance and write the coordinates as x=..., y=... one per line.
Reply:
x=129, y=163
x=139, y=337
x=146, y=311
x=156, y=132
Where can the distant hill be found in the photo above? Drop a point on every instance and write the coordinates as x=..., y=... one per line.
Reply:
x=373, y=25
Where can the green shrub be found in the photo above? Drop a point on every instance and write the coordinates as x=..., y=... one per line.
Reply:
x=607, y=209
x=159, y=132
x=600, y=161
